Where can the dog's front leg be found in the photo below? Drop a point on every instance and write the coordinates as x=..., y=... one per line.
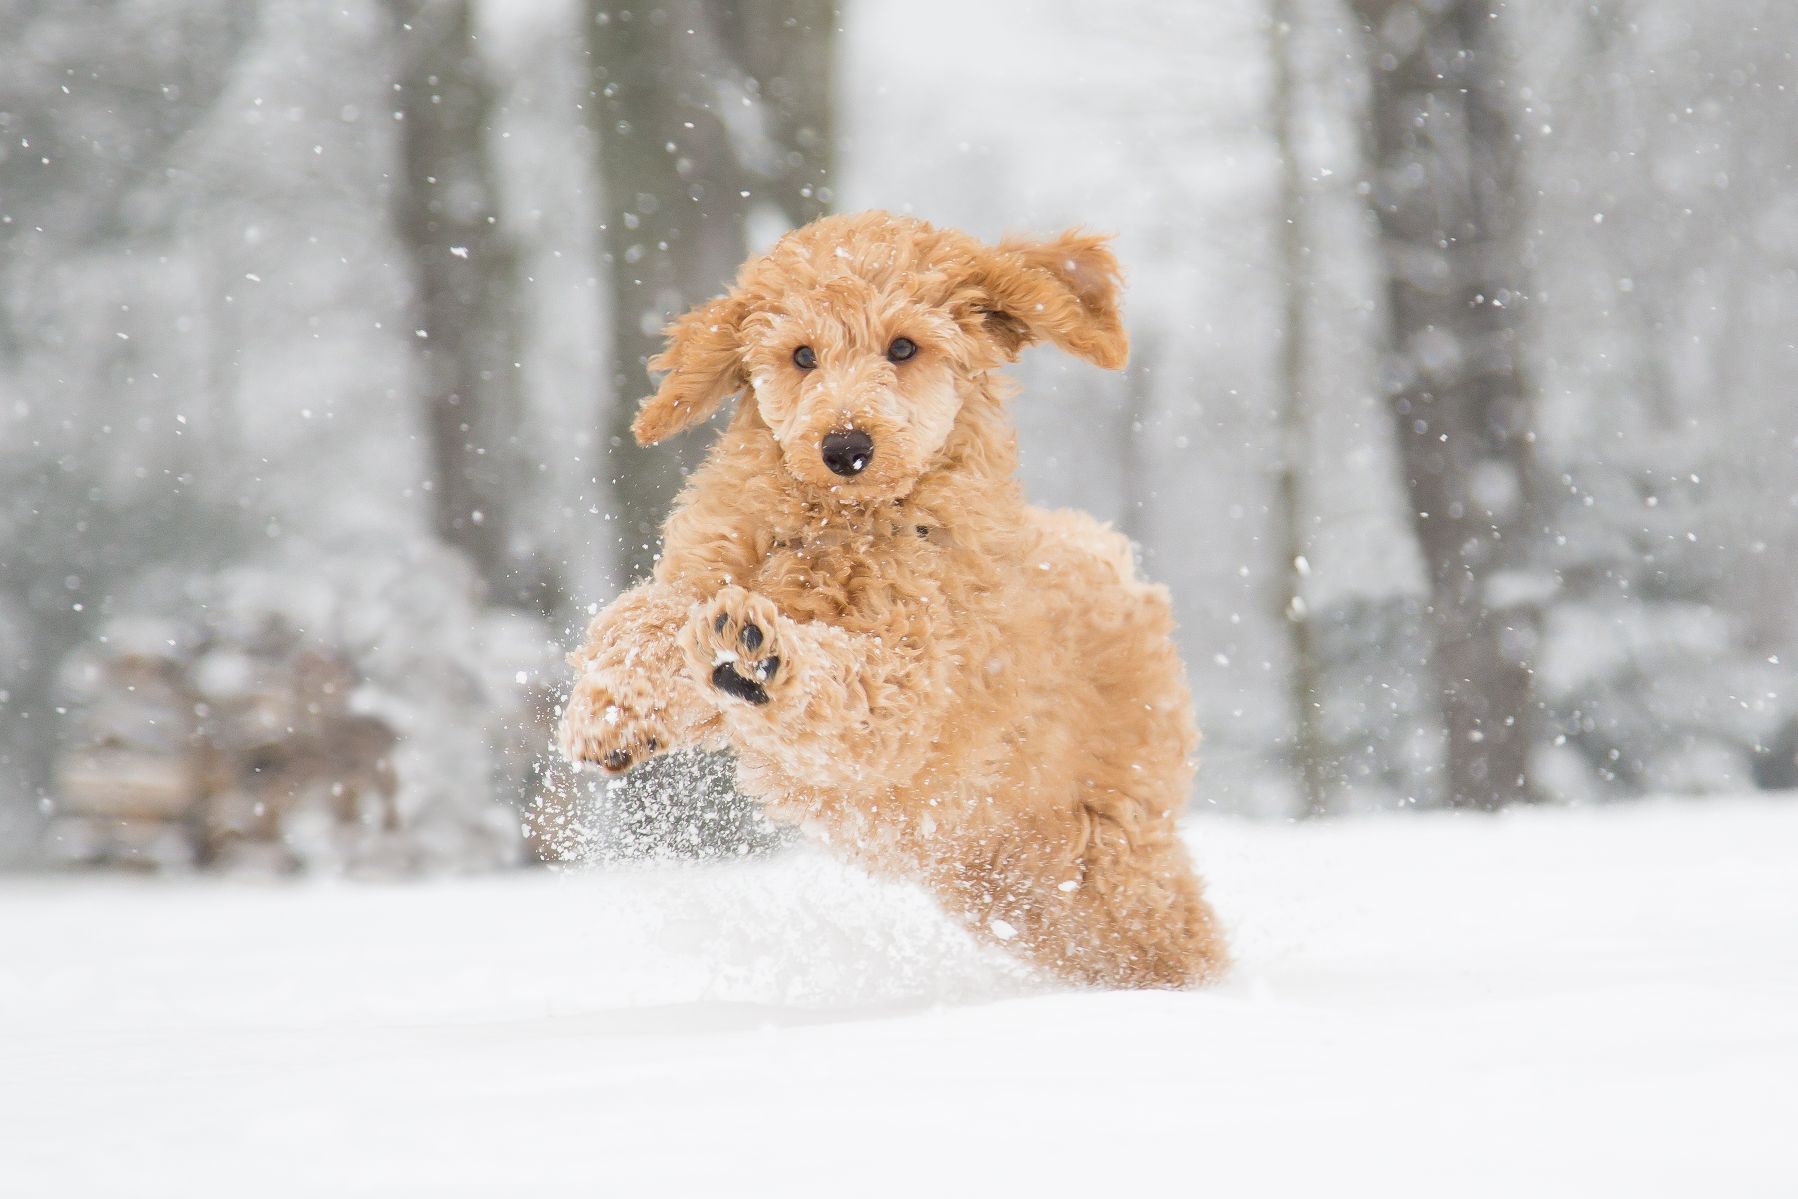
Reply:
x=826, y=706
x=633, y=697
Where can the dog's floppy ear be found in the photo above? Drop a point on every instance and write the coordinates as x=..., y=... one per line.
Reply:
x=1064, y=290
x=704, y=361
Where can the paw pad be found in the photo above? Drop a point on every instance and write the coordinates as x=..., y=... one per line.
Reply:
x=738, y=645
x=727, y=680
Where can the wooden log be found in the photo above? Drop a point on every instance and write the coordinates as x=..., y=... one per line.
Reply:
x=128, y=783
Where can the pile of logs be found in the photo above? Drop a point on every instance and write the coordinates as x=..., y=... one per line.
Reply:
x=193, y=747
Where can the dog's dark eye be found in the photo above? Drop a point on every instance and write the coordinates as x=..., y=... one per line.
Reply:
x=901, y=349
x=805, y=358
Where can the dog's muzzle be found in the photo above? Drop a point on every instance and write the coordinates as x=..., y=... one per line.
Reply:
x=847, y=454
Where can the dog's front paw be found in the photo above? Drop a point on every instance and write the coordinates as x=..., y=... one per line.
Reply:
x=612, y=719
x=734, y=641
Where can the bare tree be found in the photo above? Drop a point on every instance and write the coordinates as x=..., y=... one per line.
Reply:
x=98, y=104
x=1291, y=526
x=1445, y=156
x=1136, y=494
x=699, y=109
x=445, y=212
x=787, y=51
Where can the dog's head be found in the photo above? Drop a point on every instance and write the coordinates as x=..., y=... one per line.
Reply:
x=859, y=336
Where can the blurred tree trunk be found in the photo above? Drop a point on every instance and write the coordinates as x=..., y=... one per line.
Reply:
x=788, y=52
x=1135, y=482
x=1291, y=533
x=1445, y=156
x=98, y=102
x=445, y=212
x=700, y=108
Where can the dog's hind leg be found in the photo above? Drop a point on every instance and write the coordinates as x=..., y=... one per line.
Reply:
x=1139, y=918
x=1088, y=900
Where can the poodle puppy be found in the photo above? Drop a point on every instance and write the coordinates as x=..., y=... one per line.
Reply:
x=924, y=672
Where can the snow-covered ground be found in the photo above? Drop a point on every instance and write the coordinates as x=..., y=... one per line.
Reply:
x=1551, y=1002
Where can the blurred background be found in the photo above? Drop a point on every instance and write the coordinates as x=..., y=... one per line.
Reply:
x=1460, y=418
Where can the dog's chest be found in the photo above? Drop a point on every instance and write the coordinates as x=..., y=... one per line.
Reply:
x=823, y=572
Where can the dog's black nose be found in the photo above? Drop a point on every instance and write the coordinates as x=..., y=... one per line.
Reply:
x=847, y=453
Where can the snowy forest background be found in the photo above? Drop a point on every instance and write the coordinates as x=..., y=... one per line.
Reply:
x=1460, y=419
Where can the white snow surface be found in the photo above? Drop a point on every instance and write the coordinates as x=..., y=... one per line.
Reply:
x=1553, y=1002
